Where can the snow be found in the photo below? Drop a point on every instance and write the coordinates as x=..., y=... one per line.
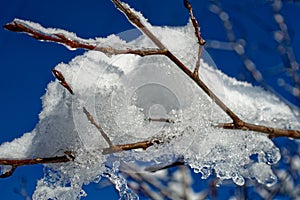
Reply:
x=110, y=41
x=122, y=92
x=18, y=148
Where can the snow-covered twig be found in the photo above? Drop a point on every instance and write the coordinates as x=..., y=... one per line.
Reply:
x=75, y=43
x=237, y=122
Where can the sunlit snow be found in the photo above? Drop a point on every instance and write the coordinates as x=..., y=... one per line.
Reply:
x=122, y=92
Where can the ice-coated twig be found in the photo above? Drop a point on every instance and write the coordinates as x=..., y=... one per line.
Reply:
x=136, y=21
x=201, y=41
x=184, y=181
x=76, y=43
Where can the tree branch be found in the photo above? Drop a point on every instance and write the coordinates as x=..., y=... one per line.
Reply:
x=201, y=41
x=15, y=163
x=16, y=26
x=125, y=147
x=99, y=128
x=272, y=132
x=237, y=122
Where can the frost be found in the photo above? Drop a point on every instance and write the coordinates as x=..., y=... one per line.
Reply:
x=122, y=93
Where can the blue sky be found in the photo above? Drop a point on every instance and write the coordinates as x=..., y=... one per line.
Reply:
x=26, y=64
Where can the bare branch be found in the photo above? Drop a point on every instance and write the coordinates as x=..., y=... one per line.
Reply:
x=63, y=82
x=125, y=147
x=100, y=129
x=15, y=163
x=272, y=132
x=188, y=6
x=201, y=41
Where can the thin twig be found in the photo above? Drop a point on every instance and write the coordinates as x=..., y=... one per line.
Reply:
x=125, y=147
x=76, y=44
x=135, y=20
x=155, y=168
x=160, y=120
x=91, y=119
x=201, y=41
x=15, y=163
x=99, y=128
x=62, y=80
x=272, y=132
